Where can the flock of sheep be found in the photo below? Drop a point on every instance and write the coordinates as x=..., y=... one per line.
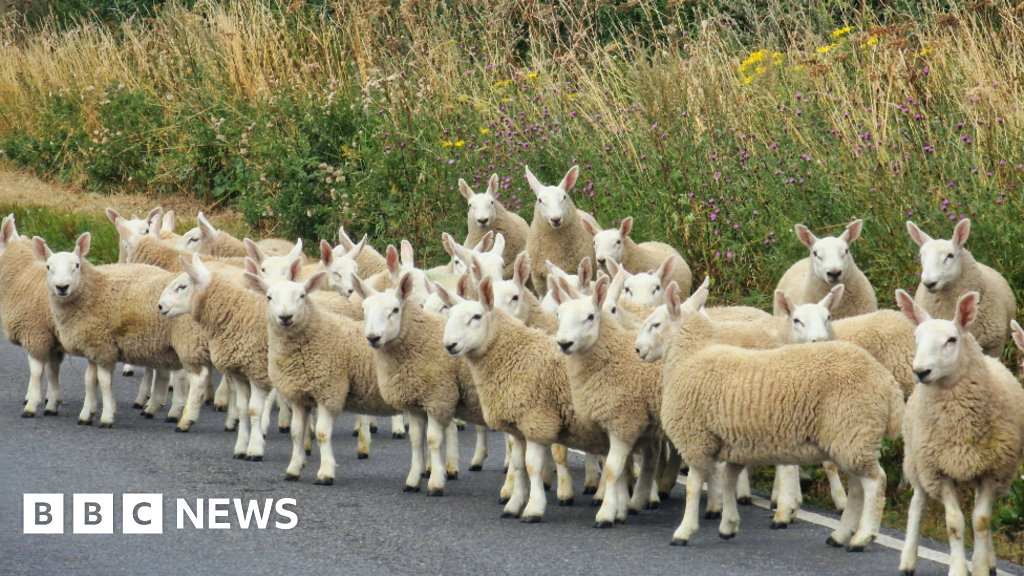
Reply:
x=618, y=361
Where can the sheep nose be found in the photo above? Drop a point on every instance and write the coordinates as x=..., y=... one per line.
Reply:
x=62, y=290
x=285, y=319
x=483, y=221
x=637, y=348
x=565, y=345
x=556, y=222
x=373, y=340
x=921, y=375
x=930, y=285
x=833, y=277
x=160, y=307
x=451, y=348
x=600, y=262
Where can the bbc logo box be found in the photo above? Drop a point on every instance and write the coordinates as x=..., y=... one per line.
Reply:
x=44, y=514
x=93, y=514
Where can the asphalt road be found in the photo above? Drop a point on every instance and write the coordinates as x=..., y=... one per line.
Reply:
x=362, y=524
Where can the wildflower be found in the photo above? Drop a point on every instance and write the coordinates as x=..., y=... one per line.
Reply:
x=484, y=131
x=825, y=49
x=533, y=75
x=447, y=143
x=460, y=143
x=870, y=42
x=842, y=31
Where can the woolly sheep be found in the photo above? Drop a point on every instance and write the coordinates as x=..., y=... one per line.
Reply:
x=615, y=389
x=645, y=288
x=828, y=400
x=513, y=297
x=556, y=234
x=579, y=282
x=616, y=244
x=370, y=261
x=486, y=214
x=417, y=377
x=948, y=271
x=167, y=225
x=829, y=263
x=205, y=239
x=27, y=319
x=962, y=428
x=491, y=260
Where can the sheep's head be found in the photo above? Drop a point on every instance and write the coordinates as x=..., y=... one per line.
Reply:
x=646, y=288
x=488, y=253
x=548, y=303
x=482, y=207
x=383, y=310
x=509, y=295
x=1018, y=336
x=653, y=334
x=199, y=239
x=275, y=266
x=176, y=299
x=341, y=265
x=830, y=257
x=440, y=301
x=63, y=269
x=135, y=226
x=579, y=320
x=611, y=302
x=469, y=320
x=553, y=202
x=940, y=343
x=941, y=260
x=286, y=299
x=609, y=244
x=810, y=322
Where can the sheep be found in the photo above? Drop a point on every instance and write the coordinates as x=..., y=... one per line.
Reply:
x=205, y=239
x=167, y=224
x=486, y=214
x=579, y=282
x=109, y=314
x=556, y=234
x=416, y=376
x=615, y=244
x=523, y=385
x=829, y=263
x=948, y=271
x=826, y=401
x=369, y=261
x=962, y=428
x=645, y=288
x=491, y=260
x=615, y=389
x=513, y=297
x=27, y=320
x=316, y=360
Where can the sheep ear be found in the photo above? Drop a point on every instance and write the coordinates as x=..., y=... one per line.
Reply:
x=486, y=292
x=252, y=267
x=1018, y=334
x=589, y=227
x=521, y=270
x=831, y=301
x=672, y=302
x=205, y=228
x=326, y=253
x=7, y=231
x=485, y=243
x=492, y=184
x=256, y=284
x=966, y=310
x=197, y=270
x=316, y=282
x=667, y=268
x=699, y=298
x=356, y=250
x=407, y=254
x=615, y=288
x=535, y=184
x=83, y=244
x=600, y=292
x=404, y=287
x=475, y=269
x=343, y=238
x=153, y=219
x=253, y=251
x=295, y=270
x=466, y=191
x=446, y=243
x=805, y=236
x=570, y=179
x=961, y=232
x=296, y=251
x=910, y=309
x=782, y=303
x=556, y=292
x=852, y=232
x=170, y=220
x=112, y=215
x=613, y=267
x=585, y=272
x=40, y=249
x=626, y=227
x=129, y=237
x=564, y=286
x=499, y=244
x=361, y=288
x=552, y=269
x=917, y=234
x=462, y=286
x=391, y=258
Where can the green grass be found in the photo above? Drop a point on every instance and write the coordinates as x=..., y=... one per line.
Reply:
x=61, y=230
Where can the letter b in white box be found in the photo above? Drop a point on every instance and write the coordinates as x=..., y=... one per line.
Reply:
x=44, y=514
x=142, y=514
x=92, y=514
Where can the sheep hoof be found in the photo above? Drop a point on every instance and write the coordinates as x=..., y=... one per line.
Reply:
x=780, y=525
x=284, y=429
x=678, y=542
x=683, y=472
x=290, y=478
x=602, y=524
x=355, y=433
x=309, y=452
x=49, y=412
x=435, y=493
x=596, y=502
x=255, y=459
x=911, y=572
x=362, y=456
x=832, y=542
x=239, y=456
x=398, y=435
x=618, y=521
x=745, y=501
x=148, y=416
x=509, y=515
x=128, y=373
x=411, y=489
x=726, y=536
x=137, y=406
x=567, y=502
x=460, y=427
x=171, y=420
x=452, y=475
x=855, y=548
x=588, y=490
x=326, y=482
x=632, y=512
x=652, y=505
x=208, y=403
x=476, y=467
x=104, y=425
x=503, y=501
x=181, y=430
x=531, y=519
x=373, y=429
x=85, y=422
x=663, y=496
x=712, y=514
x=28, y=414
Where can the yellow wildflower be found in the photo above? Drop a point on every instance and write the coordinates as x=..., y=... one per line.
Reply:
x=870, y=42
x=924, y=52
x=484, y=130
x=502, y=83
x=753, y=59
x=534, y=75
x=460, y=143
x=825, y=49
x=446, y=143
x=842, y=31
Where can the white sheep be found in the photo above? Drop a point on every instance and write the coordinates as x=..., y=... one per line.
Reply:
x=829, y=263
x=491, y=259
x=962, y=428
x=799, y=405
x=616, y=244
x=369, y=261
x=556, y=234
x=486, y=214
x=579, y=282
x=205, y=239
x=513, y=297
x=646, y=288
x=948, y=271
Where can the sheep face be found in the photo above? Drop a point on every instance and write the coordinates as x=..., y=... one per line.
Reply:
x=436, y=306
x=508, y=296
x=383, y=310
x=341, y=269
x=286, y=303
x=810, y=322
x=941, y=260
x=482, y=207
x=466, y=329
x=275, y=266
x=579, y=321
x=644, y=289
x=940, y=343
x=608, y=246
x=831, y=261
x=138, y=227
x=487, y=262
x=177, y=297
x=553, y=202
x=63, y=269
x=650, y=341
x=189, y=241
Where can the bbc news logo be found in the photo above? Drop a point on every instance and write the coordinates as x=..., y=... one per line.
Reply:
x=144, y=513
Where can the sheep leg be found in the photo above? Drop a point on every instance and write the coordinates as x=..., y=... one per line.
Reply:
x=157, y=398
x=231, y=423
x=984, y=558
x=918, y=504
x=128, y=370
x=435, y=436
x=614, y=471
x=266, y=410
x=788, y=480
x=54, y=398
x=284, y=414
x=358, y=424
x=602, y=483
x=536, y=459
x=181, y=390
x=222, y=397
x=324, y=426
x=835, y=484
x=34, y=396
x=300, y=417
x=670, y=471
x=257, y=405
x=241, y=389
x=690, y=524
x=517, y=466
x=591, y=474
x=89, y=405
x=144, y=386
x=645, y=481
x=208, y=389
x=873, y=496
x=743, y=495
x=480, y=452
x=417, y=424
x=548, y=471
x=508, y=450
x=508, y=487
x=308, y=433
x=730, y=524
x=397, y=427
x=451, y=451
x=560, y=454
x=104, y=377
x=851, y=515
x=364, y=441
x=196, y=387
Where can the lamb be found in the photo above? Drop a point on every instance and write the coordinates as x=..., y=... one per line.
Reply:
x=556, y=234
x=316, y=360
x=962, y=428
x=830, y=263
x=417, y=377
x=491, y=260
x=615, y=244
x=827, y=401
x=513, y=297
x=205, y=239
x=579, y=282
x=167, y=233
x=369, y=261
x=645, y=288
x=486, y=214
x=949, y=271
x=616, y=390
x=27, y=320
x=109, y=314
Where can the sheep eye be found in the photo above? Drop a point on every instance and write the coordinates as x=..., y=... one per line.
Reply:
x=269, y=299
x=656, y=288
x=395, y=311
x=847, y=250
x=302, y=297
x=797, y=322
x=628, y=292
x=951, y=341
x=656, y=325
x=815, y=253
x=617, y=242
x=614, y=309
x=515, y=298
x=47, y=267
x=949, y=256
x=477, y=317
x=590, y=318
x=77, y=266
